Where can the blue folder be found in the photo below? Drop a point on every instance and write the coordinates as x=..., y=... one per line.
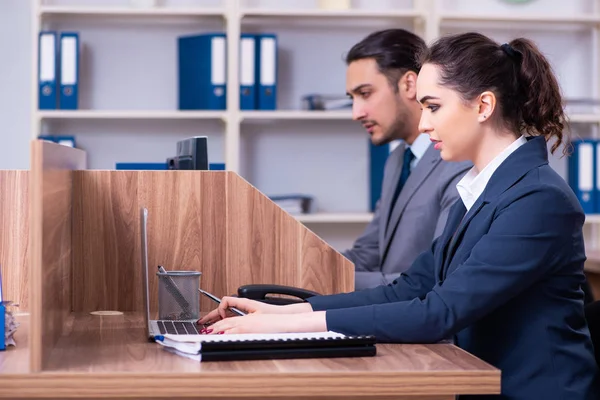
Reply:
x=377, y=158
x=69, y=71
x=248, y=72
x=582, y=165
x=266, y=71
x=2, y=317
x=64, y=140
x=142, y=166
x=202, y=72
x=47, y=70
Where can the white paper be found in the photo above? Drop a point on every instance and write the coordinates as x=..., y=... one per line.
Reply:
x=192, y=344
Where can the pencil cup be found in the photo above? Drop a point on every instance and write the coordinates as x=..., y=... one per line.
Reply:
x=178, y=296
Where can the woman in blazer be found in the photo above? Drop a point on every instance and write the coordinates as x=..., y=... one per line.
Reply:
x=504, y=279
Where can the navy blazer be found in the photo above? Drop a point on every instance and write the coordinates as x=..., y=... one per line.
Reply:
x=503, y=281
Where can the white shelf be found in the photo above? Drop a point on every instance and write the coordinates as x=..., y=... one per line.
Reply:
x=552, y=19
x=584, y=118
x=367, y=217
x=245, y=115
x=296, y=115
x=127, y=114
x=131, y=11
x=335, y=218
x=592, y=219
x=317, y=13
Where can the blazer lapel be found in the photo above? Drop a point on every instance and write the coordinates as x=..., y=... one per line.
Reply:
x=425, y=166
x=386, y=201
x=455, y=216
x=530, y=155
x=455, y=239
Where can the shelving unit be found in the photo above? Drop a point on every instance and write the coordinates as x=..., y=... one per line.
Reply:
x=297, y=115
x=246, y=137
x=103, y=11
x=591, y=20
x=335, y=218
x=328, y=14
x=125, y=114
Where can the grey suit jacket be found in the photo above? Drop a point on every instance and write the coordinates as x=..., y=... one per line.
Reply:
x=382, y=252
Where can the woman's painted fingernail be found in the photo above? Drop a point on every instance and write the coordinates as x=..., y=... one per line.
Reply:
x=220, y=333
x=208, y=330
x=202, y=330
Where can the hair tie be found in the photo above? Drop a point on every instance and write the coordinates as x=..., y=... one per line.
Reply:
x=516, y=55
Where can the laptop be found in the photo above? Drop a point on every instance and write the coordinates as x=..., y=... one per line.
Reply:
x=159, y=327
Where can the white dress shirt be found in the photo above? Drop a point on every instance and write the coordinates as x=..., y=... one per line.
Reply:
x=473, y=183
x=418, y=148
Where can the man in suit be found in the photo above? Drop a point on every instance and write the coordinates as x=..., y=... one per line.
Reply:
x=418, y=187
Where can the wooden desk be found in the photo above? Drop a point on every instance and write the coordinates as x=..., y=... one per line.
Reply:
x=108, y=356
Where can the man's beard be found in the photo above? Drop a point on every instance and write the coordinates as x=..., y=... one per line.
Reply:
x=399, y=129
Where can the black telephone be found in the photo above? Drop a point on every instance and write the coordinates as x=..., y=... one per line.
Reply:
x=261, y=292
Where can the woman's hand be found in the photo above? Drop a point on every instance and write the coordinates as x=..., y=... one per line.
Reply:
x=271, y=323
x=250, y=307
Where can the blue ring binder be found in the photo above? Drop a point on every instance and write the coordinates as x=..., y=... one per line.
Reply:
x=2, y=316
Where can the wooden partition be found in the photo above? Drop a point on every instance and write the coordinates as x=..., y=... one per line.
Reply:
x=85, y=255
x=14, y=239
x=86, y=243
x=51, y=184
x=210, y=221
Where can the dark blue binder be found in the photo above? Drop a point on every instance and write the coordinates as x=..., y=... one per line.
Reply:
x=64, y=140
x=582, y=174
x=216, y=166
x=202, y=72
x=266, y=71
x=69, y=71
x=247, y=72
x=142, y=166
x=377, y=157
x=2, y=317
x=47, y=66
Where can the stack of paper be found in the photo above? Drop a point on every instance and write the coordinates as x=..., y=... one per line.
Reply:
x=10, y=327
x=192, y=346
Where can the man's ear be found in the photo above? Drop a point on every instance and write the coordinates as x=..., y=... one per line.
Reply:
x=407, y=85
x=486, y=105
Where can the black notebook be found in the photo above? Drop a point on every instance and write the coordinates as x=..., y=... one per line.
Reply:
x=268, y=346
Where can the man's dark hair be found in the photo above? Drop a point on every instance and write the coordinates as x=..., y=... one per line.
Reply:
x=394, y=50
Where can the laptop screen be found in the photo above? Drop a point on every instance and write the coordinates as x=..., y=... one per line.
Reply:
x=145, y=288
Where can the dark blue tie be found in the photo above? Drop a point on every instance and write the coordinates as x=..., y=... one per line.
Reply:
x=408, y=157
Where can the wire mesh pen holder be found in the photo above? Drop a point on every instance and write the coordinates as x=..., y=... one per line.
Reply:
x=178, y=296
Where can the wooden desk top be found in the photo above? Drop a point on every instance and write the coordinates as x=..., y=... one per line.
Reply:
x=108, y=356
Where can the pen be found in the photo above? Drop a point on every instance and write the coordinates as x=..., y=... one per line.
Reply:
x=218, y=301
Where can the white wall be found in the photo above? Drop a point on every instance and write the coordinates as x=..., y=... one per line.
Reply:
x=15, y=83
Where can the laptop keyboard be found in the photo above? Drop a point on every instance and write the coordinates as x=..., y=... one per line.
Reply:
x=177, y=327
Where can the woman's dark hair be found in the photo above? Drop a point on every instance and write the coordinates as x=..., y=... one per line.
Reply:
x=394, y=50
x=528, y=96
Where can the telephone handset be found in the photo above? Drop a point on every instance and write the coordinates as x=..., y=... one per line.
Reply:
x=262, y=292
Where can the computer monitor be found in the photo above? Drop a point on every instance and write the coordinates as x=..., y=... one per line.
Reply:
x=192, y=154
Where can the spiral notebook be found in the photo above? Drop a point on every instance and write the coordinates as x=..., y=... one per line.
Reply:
x=236, y=347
